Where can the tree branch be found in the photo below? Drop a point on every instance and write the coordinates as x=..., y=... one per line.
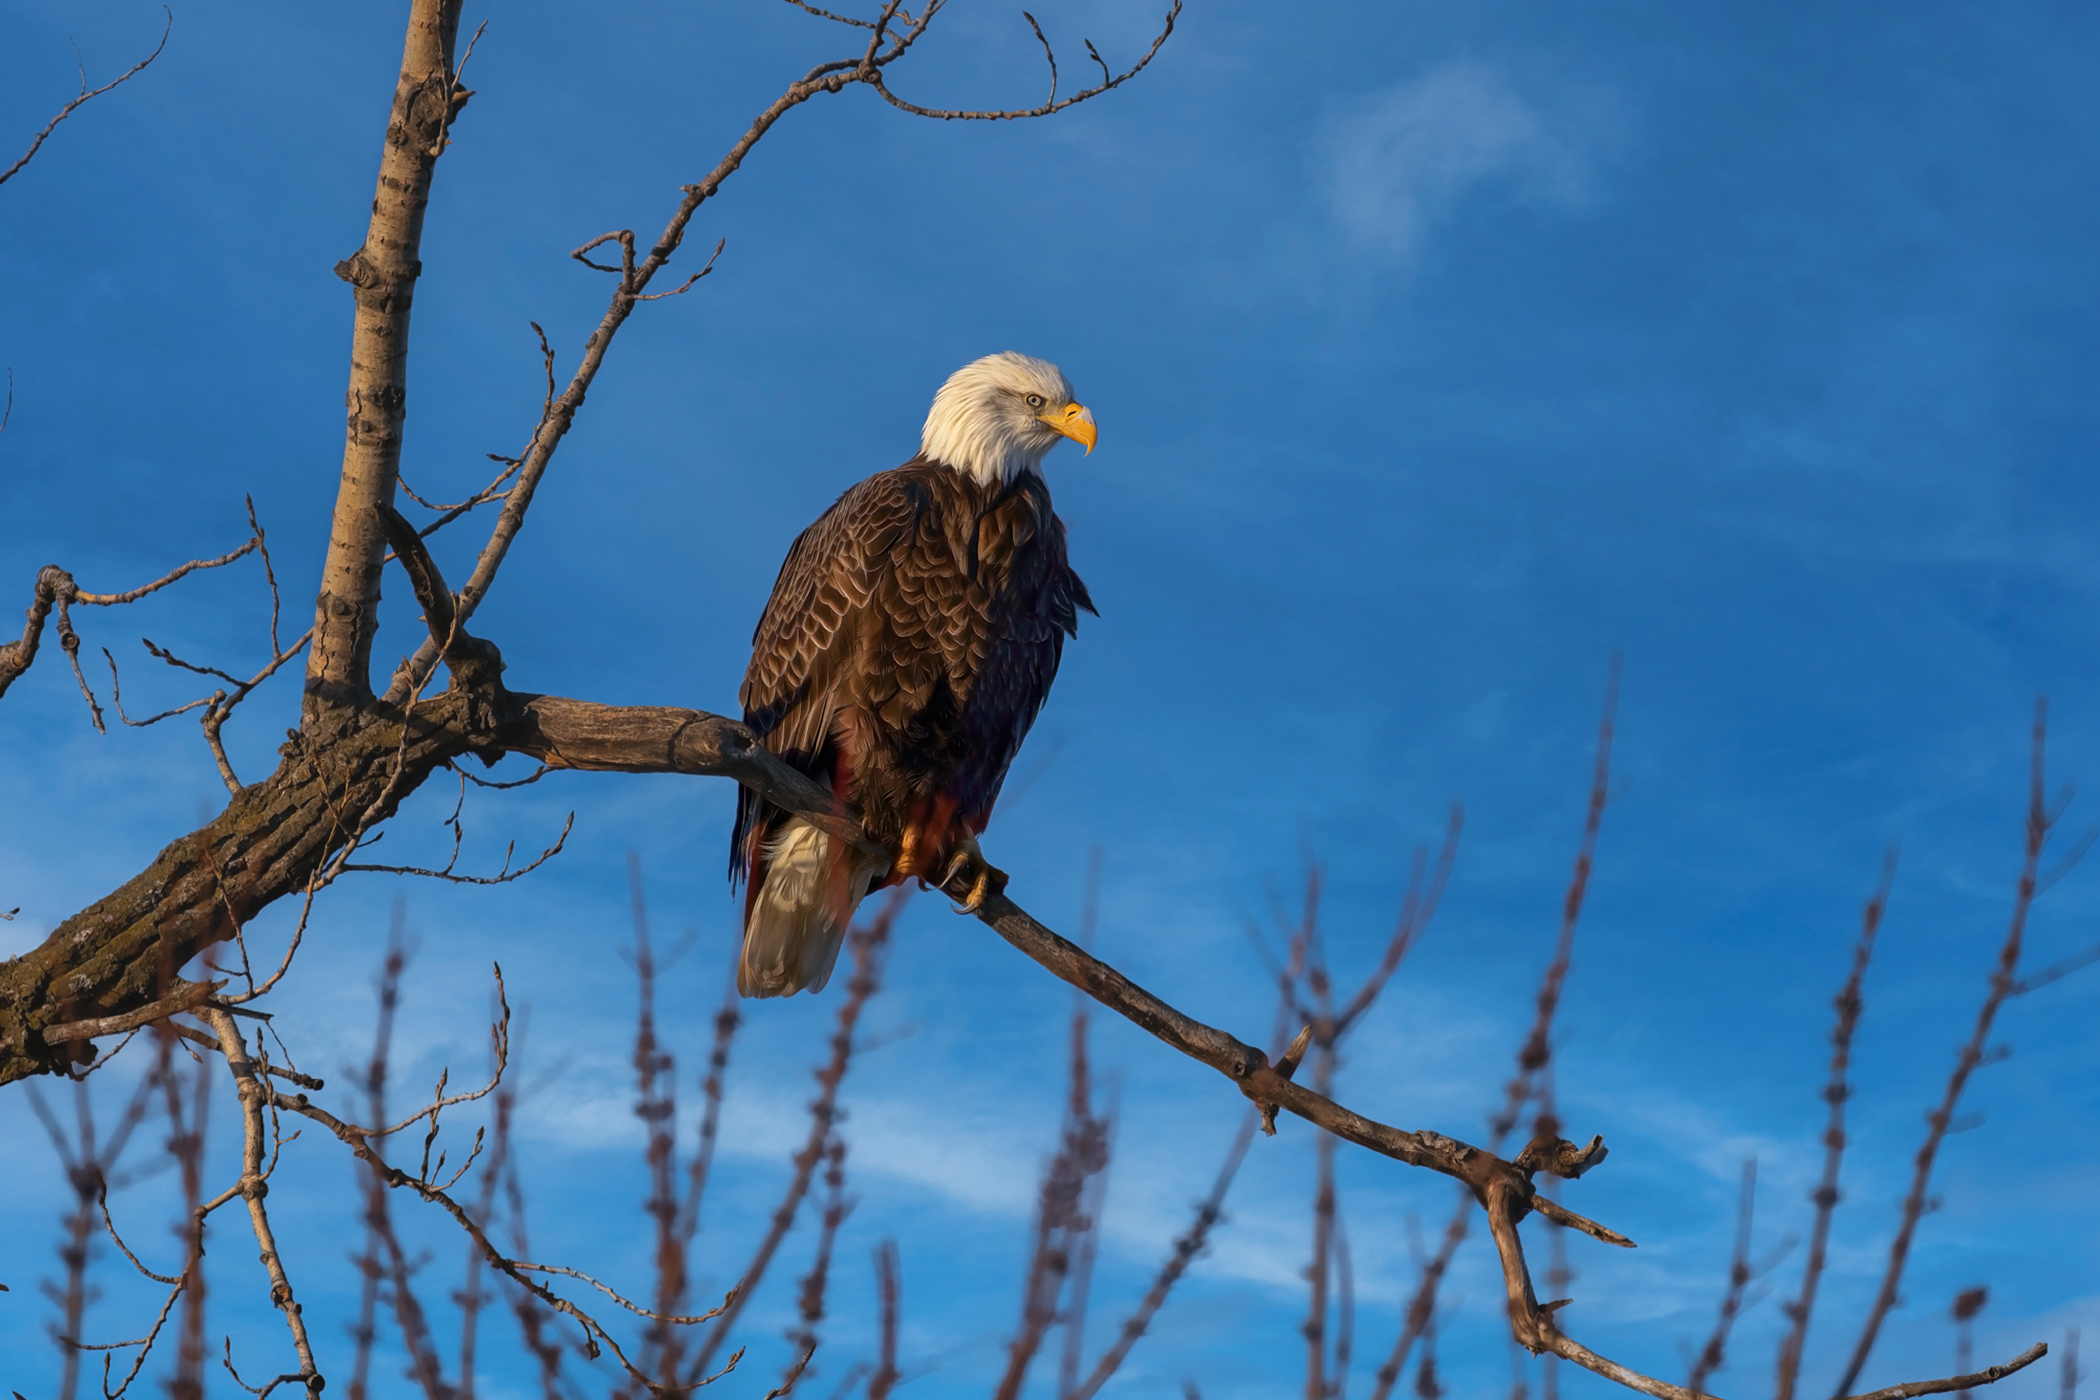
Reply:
x=1050, y=105
x=254, y=1094
x=1850, y=1006
x=382, y=274
x=2004, y=978
x=56, y=590
x=85, y=97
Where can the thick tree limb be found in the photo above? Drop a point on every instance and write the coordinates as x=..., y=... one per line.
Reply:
x=660, y=739
x=273, y=839
x=341, y=775
x=383, y=276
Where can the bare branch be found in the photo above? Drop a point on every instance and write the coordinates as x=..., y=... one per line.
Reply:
x=358, y=1140
x=382, y=274
x=2004, y=979
x=873, y=78
x=804, y=5
x=1061, y=1223
x=68, y=110
x=1850, y=1006
x=111, y=1226
x=868, y=943
x=501, y=877
x=254, y=1093
x=185, y=996
x=636, y=1308
x=116, y=696
x=889, y=1286
x=173, y=660
x=1187, y=1246
x=1713, y=1356
x=809, y=1295
x=1988, y=1376
x=56, y=591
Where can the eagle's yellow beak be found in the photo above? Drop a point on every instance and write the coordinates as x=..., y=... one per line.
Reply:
x=1075, y=423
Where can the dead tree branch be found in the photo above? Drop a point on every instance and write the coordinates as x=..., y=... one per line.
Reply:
x=868, y=943
x=2004, y=981
x=1187, y=1246
x=1850, y=1006
x=1714, y=1355
x=254, y=1094
x=85, y=97
x=56, y=591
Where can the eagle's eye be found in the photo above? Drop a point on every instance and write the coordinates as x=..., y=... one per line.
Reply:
x=1035, y=400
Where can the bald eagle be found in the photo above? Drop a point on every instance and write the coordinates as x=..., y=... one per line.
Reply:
x=910, y=640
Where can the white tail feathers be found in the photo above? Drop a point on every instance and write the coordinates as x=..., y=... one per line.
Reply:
x=800, y=912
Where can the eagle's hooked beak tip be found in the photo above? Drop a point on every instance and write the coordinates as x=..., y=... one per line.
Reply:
x=1076, y=423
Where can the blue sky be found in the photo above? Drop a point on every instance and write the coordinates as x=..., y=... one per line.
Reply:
x=1440, y=352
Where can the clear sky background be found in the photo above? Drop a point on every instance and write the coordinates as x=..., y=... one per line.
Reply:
x=1440, y=352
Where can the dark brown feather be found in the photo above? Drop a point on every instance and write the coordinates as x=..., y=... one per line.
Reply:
x=914, y=632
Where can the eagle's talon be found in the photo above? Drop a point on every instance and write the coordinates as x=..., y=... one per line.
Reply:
x=986, y=880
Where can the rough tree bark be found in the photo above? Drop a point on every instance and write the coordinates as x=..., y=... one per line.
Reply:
x=382, y=274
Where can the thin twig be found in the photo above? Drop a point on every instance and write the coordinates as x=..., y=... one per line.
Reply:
x=1082, y=1155
x=1534, y=1056
x=2004, y=979
x=1713, y=1356
x=1053, y=104
x=868, y=943
x=86, y=96
x=254, y=1093
x=502, y=877
x=889, y=1287
x=1836, y=1092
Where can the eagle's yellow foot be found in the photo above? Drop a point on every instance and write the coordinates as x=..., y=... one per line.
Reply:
x=907, y=863
x=985, y=880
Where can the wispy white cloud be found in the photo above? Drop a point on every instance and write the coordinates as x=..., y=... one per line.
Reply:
x=1395, y=162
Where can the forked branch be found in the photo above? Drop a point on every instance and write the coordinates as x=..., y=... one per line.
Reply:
x=56, y=591
x=1050, y=104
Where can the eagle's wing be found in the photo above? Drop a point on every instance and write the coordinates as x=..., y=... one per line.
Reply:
x=824, y=624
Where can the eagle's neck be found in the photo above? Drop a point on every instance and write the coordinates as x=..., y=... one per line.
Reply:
x=983, y=446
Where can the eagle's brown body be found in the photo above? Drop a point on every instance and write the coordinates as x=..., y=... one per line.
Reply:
x=911, y=638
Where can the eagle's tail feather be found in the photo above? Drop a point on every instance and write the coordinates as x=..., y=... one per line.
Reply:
x=802, y=899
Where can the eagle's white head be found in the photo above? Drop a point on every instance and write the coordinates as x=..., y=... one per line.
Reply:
x=996, y=417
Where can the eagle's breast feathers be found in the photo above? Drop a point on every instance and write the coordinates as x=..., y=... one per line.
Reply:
x=913, y=634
